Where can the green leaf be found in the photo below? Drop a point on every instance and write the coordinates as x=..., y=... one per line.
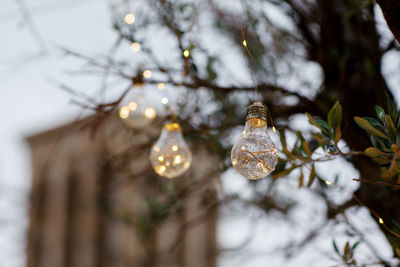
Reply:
x=363, y=123
x=380, y=112
x=321, y=124
x=391, y=128
x=354, y=246
x=335, y=247
x=378, y=143
x=376, y=124
x=335, y=117
x=391, y=107
x=374, y=152
x=312, y=176
x=331, y=117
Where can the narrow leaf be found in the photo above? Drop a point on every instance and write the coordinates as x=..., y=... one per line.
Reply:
x=319, y=138
x=306, y=148
x=338, y=135
x=363, y=123
x=339, y=114
x=374, y=152
x=391, y=107
x=354, y=246
x=284, y=173
x=346, y=248
x=391, y=128
x=301, y=179
x=315, y=123
x=380, y=112
x=335, y=247
x=312, y=176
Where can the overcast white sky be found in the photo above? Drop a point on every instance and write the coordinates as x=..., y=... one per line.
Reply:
x=30, y=103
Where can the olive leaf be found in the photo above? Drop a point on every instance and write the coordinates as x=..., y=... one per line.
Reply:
x=363, y=123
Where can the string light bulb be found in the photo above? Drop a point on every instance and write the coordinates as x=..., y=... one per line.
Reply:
x=147, y=74
x=186, y=53
x=137, y=112
x=161, y=86
x=254, y=155
x=135, y=47
x=129, y=18
x=170, y=156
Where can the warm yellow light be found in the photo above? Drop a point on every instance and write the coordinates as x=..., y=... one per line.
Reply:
x=135, y=47
x=380, y=221
x=164, y=100
x=273, y=128
x=328, y=183
x=254, y=155
x=177, y=160
x=186, y=53
x=172, y=126
x=244, y=43
x=132, y=106
x=129, y=18
x=160, y=169
x=171, y=152
x=150, y=113
x=147, y=74
x=161, y=86
x=124, y=112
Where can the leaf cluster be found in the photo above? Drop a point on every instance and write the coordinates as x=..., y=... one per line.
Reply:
x=385, y=138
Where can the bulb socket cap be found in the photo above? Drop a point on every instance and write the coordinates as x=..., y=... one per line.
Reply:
x=257, y=110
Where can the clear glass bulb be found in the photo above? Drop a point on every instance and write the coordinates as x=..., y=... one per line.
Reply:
x=170, y=156
x=254, y=155
x=137, y=112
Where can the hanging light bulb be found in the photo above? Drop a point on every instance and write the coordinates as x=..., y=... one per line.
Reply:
x=170, y=156
x=254, y=155
x=137, y=112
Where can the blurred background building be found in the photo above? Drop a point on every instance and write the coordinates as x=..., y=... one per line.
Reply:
x=85, y=213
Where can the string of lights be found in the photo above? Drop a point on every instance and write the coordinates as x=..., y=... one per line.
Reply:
x=254, y=155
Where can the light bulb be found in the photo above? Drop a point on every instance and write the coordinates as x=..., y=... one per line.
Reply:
x=136, y=112
x=170, y=156
x=254, y=155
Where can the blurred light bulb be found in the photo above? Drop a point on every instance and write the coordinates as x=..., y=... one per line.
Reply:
x=161, y=86
x=147, y=74
x=254, y=155
x=170, y=156
x=164, y=100
x=137, y=113
x=150, y=113
x=186, y=53
x=244, y=43
x=135, y=47
x=129, y=18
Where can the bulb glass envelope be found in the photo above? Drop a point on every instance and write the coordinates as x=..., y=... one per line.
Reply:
x=254, y=155
x=170, y=155
x=136, y=112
